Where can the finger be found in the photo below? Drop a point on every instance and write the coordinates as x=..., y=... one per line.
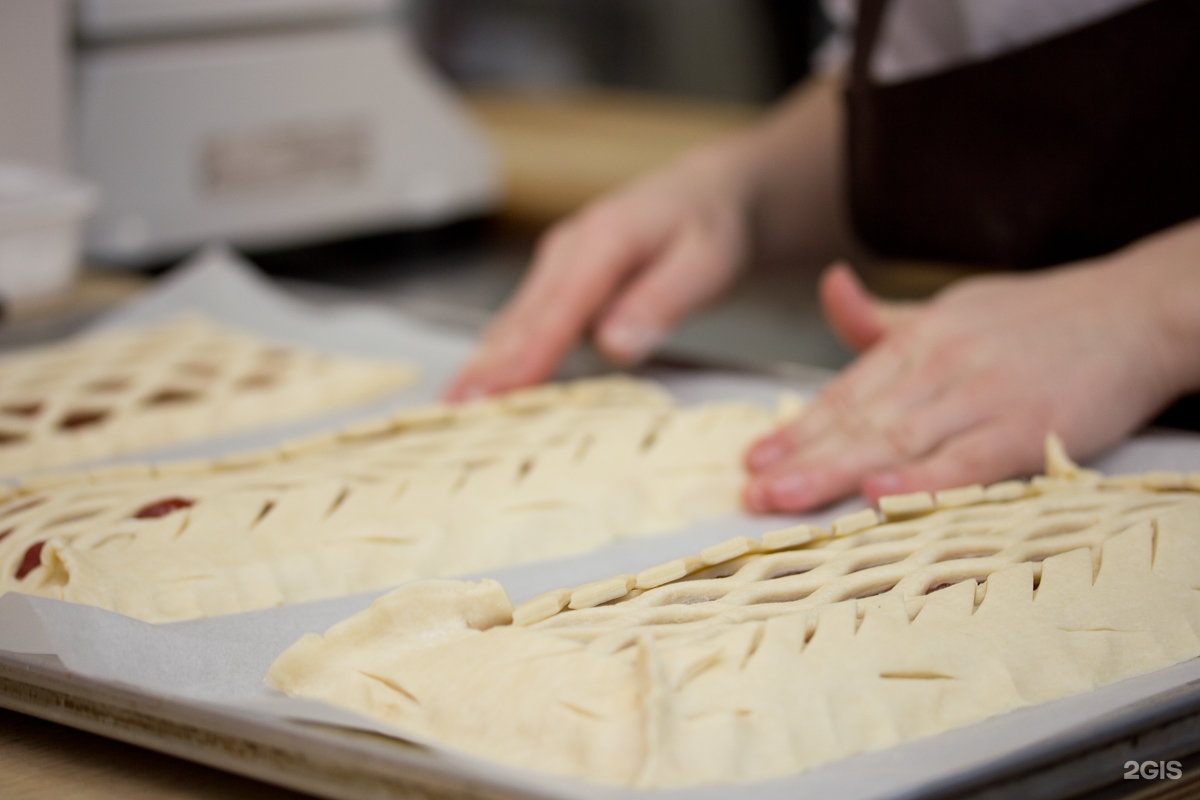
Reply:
x=900, y=375
x=688, y=275
x=833, y=414
x=858, y=317
x=806, y=481
x=850, y=310
x=869, y=395
x=572, y=278
x=996, y=451
x=574, y=273
x=899, y=437
x=838, y=464
x=794, y=488
x=465, y=386
x=771, y=449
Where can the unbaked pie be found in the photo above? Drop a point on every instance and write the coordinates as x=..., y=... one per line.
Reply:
x=757, y=659
x=428, y=492
x=133, y=389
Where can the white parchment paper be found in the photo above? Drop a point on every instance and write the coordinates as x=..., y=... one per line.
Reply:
x=221, y=662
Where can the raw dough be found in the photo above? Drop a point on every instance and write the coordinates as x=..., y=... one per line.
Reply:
x=114, y=393
x=797, y=650
x=430, y=492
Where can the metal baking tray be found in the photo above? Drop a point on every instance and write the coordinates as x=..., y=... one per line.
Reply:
x=170, y=698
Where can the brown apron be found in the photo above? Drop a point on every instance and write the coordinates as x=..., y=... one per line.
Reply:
x=1063, y=149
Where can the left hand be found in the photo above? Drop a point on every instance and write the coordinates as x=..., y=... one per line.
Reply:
x=963, y=388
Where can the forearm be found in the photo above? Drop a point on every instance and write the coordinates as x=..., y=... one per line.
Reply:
x=1161, y=275
x=789, y=169
x=797, y=160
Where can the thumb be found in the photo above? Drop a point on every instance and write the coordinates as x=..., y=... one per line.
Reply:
x=858, y=317
x=690, y=274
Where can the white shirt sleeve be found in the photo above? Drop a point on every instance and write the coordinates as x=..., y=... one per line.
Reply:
x=922, y=37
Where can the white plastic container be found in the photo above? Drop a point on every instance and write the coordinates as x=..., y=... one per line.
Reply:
x=41, y=221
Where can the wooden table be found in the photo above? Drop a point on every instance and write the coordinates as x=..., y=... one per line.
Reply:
x=38, y=319
x=41, y=760
x=557, y=151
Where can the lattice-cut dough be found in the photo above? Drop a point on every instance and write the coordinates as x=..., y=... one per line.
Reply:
x=439, y=491
x=773, y=662
x=109, y=394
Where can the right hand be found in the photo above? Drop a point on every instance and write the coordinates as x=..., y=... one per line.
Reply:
x=628, y=268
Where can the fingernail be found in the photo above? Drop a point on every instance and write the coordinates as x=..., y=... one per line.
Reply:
x=474, y=393
x=883, y=484
x=788, y=490
x=465, y=394
x=506, y=347
x=754, y=496
x=630, y=342
x=768, y=452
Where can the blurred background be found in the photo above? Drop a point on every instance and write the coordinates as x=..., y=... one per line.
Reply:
x=410, y=148
x=741, y=51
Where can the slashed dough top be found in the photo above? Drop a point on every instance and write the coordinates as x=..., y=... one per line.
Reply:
x=758, y=659
x=113, y=393
x=428, y=492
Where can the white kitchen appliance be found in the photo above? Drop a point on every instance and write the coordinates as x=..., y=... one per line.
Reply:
x=264, y=123
x=41, y=215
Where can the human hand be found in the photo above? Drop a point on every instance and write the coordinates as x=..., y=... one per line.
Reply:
x=963, y=389
x=630, y=268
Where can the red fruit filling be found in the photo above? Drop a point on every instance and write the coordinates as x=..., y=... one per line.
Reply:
x=161, y=508
x=31, y=560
